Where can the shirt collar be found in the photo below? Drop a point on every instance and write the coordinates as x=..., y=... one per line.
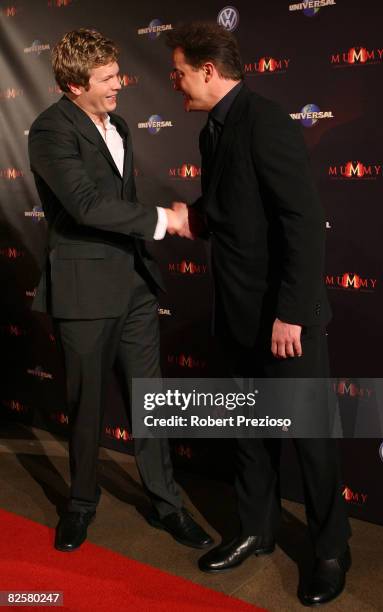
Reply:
x=221, y=109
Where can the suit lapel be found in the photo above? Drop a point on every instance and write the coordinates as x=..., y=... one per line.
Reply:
x=87, y=128
x=229, y=129
x=127, y=169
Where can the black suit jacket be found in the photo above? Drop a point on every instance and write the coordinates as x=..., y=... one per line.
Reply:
x=266, y=223
x=96, y=225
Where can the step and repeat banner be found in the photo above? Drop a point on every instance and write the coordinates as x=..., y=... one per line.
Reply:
x=323, y=62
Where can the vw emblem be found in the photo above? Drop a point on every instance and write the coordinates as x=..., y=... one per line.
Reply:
x=228, y=18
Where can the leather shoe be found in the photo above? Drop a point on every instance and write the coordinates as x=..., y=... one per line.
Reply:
x=183, y=528
x=72, y=529
x=327, y=581
x=232, y=554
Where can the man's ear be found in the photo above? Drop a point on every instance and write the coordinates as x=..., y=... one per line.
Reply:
x=77, y=90
x=208, y=69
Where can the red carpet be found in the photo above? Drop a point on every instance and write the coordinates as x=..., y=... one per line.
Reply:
x=94, y=578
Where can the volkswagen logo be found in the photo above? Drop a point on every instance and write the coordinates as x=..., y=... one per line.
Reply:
x=228, y=18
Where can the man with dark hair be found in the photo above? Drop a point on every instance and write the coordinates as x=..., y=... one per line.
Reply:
x=266, y=226
x=100, y=283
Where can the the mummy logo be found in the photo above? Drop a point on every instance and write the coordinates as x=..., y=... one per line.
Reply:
x=118, y=433
x=59, y=3
x=187, y=268
x=12, y=253
x=355, y=170
x=15, y=406
x=348, y=388
x=266, y=65
x=9, y=11
x=128, y=80
x=185, y=172
x=354, y=497
x=186, y=361
x=357, y=56
x=60, y=417
x=11, y=174
x=10, y=93
x=13, y=330
x=350, y=281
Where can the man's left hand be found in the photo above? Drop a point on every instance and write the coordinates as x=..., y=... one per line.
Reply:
x=286, y=340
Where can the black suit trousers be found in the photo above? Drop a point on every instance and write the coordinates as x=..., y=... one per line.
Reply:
x=91, y=348
x=257, y=460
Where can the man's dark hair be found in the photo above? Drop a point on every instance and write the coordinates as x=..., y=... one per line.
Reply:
x=205, y=41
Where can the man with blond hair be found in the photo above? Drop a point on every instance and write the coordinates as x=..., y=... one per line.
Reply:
x=100, y=283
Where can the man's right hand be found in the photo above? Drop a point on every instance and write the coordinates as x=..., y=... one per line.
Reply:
x=178, y=220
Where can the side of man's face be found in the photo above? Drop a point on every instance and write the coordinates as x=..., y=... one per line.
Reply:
x=191, y=82
x=101, y=96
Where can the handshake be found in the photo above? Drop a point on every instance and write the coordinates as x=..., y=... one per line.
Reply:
x=184, y=221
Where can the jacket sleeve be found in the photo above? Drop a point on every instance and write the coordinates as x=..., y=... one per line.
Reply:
x=282, y=166
x=55, y=157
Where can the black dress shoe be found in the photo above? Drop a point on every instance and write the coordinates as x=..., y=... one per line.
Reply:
x=71, y=530
x=327, y=581
x=232, y=554
x=183, y=528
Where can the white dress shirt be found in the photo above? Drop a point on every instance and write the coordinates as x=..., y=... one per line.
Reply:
x=115, y=145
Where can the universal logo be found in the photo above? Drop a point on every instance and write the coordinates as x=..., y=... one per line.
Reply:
x=356, y=56
x=186, y=361
x=188, y=268
x=154, y=29
x=355, y=170
x=266, y=65
x=39, y=373
x=10, y=93
x=345, y=387
x=311, y=8
x=15, y=406
x=228, y=18
x=154, y=124
x=164, y=312
x=11, y=174
x=352, y=497
x=36, y=214
x=311, y=114
x=37, y=47
x=185, y=172
x=12, y=253
x=118, y=433
x=350, y=281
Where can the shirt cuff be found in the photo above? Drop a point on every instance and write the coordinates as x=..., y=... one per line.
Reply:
x=162, y=224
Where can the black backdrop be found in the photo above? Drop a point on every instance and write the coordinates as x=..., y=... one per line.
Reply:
x=326, y=60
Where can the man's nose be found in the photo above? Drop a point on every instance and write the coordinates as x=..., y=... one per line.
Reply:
x=117, y=83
